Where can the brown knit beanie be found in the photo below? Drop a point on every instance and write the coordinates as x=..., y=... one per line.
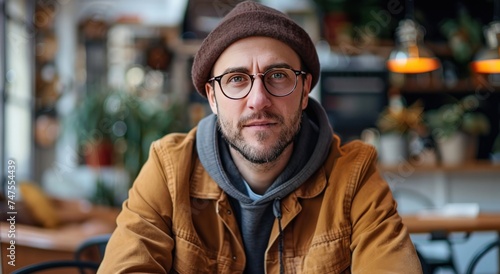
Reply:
x=252, y=19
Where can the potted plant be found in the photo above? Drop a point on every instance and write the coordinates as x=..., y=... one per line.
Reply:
x=352, y=25
x=395, y=123
x=116, y=128
x=141, y=121
x=91, y=124
x=455, y=128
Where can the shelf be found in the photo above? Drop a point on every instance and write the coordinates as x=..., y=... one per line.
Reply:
x=476, y=166
x=434, y=84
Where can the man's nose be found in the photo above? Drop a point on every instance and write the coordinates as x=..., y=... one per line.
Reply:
x=258, y=98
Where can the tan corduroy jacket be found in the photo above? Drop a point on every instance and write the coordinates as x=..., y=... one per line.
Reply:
x=177, y=219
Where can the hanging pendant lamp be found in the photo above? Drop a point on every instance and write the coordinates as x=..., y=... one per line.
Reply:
x=488, y=59
x=410, y=55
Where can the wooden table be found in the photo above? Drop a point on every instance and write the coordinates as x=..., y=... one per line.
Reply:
x=79, y=221
x=432, y=224
x=427, y=224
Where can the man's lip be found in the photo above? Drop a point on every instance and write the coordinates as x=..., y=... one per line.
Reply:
x=259, y=123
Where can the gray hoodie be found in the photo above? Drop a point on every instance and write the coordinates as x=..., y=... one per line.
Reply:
x=256, y=218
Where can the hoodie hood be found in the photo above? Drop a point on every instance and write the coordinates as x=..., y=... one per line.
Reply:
x=314, y=140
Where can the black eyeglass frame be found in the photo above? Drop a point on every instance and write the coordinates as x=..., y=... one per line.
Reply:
x=252, y=76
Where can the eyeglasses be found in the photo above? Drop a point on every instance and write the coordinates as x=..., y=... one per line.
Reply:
x=279, y=82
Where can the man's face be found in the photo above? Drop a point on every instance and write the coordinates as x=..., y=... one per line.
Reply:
x=260, y=126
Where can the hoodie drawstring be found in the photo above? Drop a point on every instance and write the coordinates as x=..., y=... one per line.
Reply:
x=277, y=214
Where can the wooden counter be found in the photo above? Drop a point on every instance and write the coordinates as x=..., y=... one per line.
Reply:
x=427, y=224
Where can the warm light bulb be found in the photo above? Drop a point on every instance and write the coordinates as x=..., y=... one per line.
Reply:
x=488, y=59
x=486, y=66
x=413, y=65
x=411, y=56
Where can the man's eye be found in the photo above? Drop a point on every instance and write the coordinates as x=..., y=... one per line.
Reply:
x=236, y=79
x=277, y=75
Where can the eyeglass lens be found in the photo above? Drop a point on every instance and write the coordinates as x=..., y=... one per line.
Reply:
x=278, y=82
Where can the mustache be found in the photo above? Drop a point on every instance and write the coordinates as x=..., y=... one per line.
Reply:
x=260, y=115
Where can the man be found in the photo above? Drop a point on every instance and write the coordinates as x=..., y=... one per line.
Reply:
x=262, y=185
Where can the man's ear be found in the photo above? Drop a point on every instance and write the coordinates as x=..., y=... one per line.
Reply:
x=211, y=97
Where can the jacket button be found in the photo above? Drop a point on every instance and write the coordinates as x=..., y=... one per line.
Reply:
x=228, y=212
x=234, y=258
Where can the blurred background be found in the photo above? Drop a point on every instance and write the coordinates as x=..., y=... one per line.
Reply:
x=87, y=85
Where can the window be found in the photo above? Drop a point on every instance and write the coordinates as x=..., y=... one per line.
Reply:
x=16, y=85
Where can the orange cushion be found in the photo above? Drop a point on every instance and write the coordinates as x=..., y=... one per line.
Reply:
x=39, y=204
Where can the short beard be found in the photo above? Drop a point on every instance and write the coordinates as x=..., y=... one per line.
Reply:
x=286, y=137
